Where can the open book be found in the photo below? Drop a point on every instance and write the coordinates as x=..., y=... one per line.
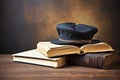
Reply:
x=53, y=50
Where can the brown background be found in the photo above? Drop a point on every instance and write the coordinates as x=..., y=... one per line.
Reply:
x=23, y=23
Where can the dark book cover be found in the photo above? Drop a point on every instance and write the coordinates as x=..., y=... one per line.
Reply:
x=97, y=60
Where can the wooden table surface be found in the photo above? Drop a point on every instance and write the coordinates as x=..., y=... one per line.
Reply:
x=19, y=71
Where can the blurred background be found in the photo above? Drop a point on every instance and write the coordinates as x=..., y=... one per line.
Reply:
x=23, y=23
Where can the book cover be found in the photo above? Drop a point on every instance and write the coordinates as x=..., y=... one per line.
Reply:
x=52, y=50
x=36, y=57
x=96, y=60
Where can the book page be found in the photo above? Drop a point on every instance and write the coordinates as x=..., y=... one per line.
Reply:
x=98, y=47
x=50, y=50
x=47, y=46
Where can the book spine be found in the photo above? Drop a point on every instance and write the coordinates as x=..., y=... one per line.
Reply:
x=87, y=60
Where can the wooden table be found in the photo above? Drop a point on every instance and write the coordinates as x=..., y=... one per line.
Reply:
x=19, y=71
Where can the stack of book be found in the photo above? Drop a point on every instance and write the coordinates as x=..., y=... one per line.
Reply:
x=98, y=55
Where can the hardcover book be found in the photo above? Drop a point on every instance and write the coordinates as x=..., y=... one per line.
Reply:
x=35, y=57
x=53, y=50
x=96, y=60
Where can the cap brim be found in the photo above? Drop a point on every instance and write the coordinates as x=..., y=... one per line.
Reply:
x=57, y=41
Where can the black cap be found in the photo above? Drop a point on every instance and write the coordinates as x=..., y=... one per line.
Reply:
x=72, y=33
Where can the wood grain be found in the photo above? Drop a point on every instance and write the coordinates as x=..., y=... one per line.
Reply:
x=18, y=71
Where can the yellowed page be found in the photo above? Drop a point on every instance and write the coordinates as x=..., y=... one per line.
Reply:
x=98, y=47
